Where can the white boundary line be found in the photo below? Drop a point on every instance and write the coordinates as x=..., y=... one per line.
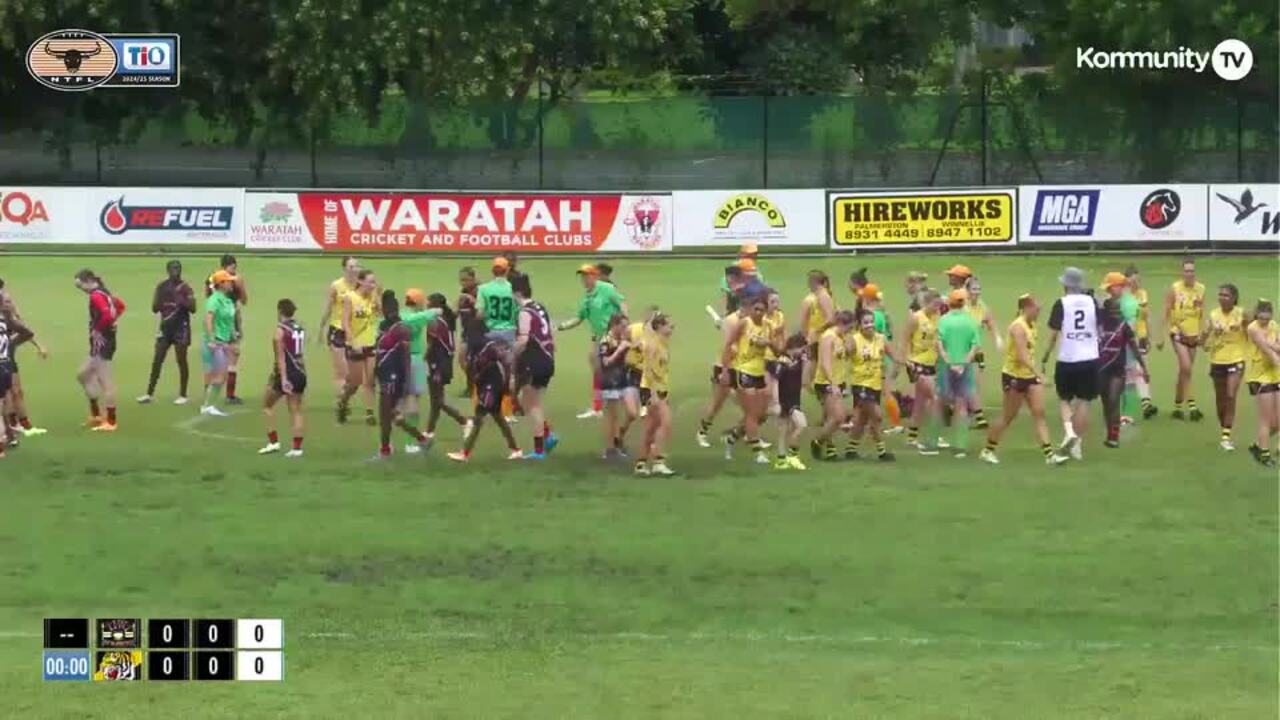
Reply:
x=189, y=426
x=774, y=637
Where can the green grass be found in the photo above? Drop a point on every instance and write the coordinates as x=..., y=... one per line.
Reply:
x=1139, y=584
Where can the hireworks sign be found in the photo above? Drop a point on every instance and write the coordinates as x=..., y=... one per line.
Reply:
x=922, y=218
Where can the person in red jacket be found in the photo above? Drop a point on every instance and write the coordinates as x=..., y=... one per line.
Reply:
x=96, y=375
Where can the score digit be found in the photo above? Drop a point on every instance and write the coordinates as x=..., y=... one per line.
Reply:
x=260, y=634
x=267, y=666
x=215, y=634
x=168, y=665
x=216, y=665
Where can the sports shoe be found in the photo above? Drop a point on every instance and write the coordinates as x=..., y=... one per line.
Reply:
x=180, y=401
x=93, y=422
x=32, y=431
x=270, y=448
x=703, y=440
x=293, y=454
x=535, y=456
x=144, y=399
x=1054, y=460
x=234, y=401
x=1177, y=415
x=762, y=458
x=343, y=412
x=728, y=447
x=1149, y=412
x=928, y=450
x=796, y=463
x=1227, y=445
x=642, y=469
x=1126, y=420
x=550, y=443
x=886, y=457
x=943, y=444
x=816, y=448
x=660, y=469
x=781, y=464
x=515, y=455
x=1195, y=415
x=105, y=427
x=426, y=443
x=1111, y=443
x=1068, y=442
x=589, y=414
x=988, y=456
x=959, y=454
x=851, y=455
x=412, y=448
x=1077, y=451
x=458, y=456
x=895, y=430
x=212, y=411
x=370, y=419
x=763, y=445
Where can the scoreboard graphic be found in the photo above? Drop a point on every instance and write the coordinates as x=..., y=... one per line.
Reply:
x=163, y=650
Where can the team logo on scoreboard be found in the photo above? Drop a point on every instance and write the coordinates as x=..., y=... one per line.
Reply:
x=118, y=633
x=118, y=666
x=73, y=60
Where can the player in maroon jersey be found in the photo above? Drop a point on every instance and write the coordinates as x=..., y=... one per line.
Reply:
x=288, y=378
x=12, y=334
x=15, y=406
x=492, y=380
x=173, y=302
x=473, y=329
x=392, y=369
x=440, y=352
x=96, y=375
x=535, y=353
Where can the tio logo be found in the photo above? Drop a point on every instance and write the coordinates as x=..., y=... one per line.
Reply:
x=1232, y=59
x=18, y=207
x=137, y=55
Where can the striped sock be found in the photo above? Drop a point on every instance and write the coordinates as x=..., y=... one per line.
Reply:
x=880, y=448
x=1047, y=449
x=991, y=445
x=1177, y=407
x=980, y=419
x=829, y=450
x=704, y=426
x=1265, y=455
x=641, y=465
x=793, y=451
x=1226, y=433
x=913, y=433
x=1191, y=405
x=1146, y=403
x=851, y=447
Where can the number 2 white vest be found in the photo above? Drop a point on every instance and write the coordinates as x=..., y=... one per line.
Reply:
x=1079, y=329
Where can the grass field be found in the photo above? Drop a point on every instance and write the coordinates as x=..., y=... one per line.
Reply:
x=1141, y=583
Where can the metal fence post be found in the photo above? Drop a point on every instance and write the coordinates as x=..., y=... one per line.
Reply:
x=764, y=146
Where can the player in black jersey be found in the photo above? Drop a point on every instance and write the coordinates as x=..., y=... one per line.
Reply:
x=492, y=381
x=440, y=356
x=12, y=334
x=173, y=302
x=791, y=373
x=535, y=353
x=288, y=378
x=392, y=368
x=15, y=408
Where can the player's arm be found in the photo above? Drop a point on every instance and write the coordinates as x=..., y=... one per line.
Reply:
x=241, y=291
x=1271, y=352
x=892, y=353
x=1131, y=341
x=1055, y=329
x=806, y=307
x=1021, y=352
x=328, y=310
x=827, y=306
x=482, y=305
x=618, y=352
x=277, y=345
x=19, y=333
x=188, y=297
x=575, y=322
x=208, y=325
x=826, y=356
x=910, y=332
x=348, y=310
x=522, y=333
x=993, y=327
x=156, y=306
x=732, y=333
x=118, y=306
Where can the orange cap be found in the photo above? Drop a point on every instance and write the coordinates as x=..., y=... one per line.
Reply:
x=749, y=251
x=747, y=265
x=957, y=298
x=1113, y=279
x=960, y=271
x=501, y=263
x=588, y=269
x=222, y=276
x=414, y=296
x=871, y=291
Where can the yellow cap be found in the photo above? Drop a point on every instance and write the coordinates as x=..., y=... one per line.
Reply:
x=1113, y=279
x=588, y=269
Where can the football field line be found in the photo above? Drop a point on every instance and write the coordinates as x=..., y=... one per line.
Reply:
x=765, y=638
x=188, y=426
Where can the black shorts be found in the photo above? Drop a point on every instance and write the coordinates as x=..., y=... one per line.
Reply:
x=980, y=358
x=716, y=371
x=915, y=371
x=771, y=368
x=538, y=368
x=633, y=376
x=296, y=379
x=1223, y=370
x=179, y=335
x=1076, y=380
x=1254, y=388
x=358, y=354
x=489, y=399
x=439, y=371
x=105, y=350
x=1144, y=345
x=646, y=395
x=393, y=383
x=1191, y=341
x=750, y=382
x=865, y=395
x=337, y=338
x=1016, y=384
x=823, y=390
x=6, y=381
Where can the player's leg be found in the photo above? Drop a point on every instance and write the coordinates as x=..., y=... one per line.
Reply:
x=974, y=398
x=833, y=404
x=18, y=419
x=1227, y=406
x=649, y=444
x=233, y=366
x=1035, y=404
x=338, y=356
x=181, y=352
x=855, y=425
x=1112, y=394
x=351, y=384
x=504, y=427
x=630, y=411
x=163, y=344
x=297, y=421
x=960, y=386
x=270, y=396
x=531, y=401
x=215, y=357
x=105, y=371
x=875, y=426
x=719, y=393
x=1010, y=403
x=368, y=365
x=88, y=379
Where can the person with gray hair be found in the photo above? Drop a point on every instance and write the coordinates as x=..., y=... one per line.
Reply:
x=1074, y=320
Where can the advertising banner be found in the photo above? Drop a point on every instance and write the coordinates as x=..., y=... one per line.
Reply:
x=157, y=216
x=1249, y=213
x=755, y=217
x=43, y=215
x=1113, y=213
x=957, y=218
x=423, y=222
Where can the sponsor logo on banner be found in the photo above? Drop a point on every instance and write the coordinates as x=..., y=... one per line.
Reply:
x=1065, y=212
x=117, y=218
x=754, y=217
x=74, y=60
x=909, y=218
x=459, y=222
x=22, y=216
x=42, y=214
x=1245, y=212
x=1160, y=208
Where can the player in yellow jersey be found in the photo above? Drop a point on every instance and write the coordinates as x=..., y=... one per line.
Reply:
x=1183, y=318
x=637, y=332
x=1022, y=384
x=815, y=313
x=920, y=347
x=777, y=326
x=331, y=319
x=723, y=379
x=745, y=351
x=656, y=380
x=978, y=310
x=1142, y=328
x=360, y=311
x=1263, y=377
x=828, y=376
x=868, y=350
x=1225, y=340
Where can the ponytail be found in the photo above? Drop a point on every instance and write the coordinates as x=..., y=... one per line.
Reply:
x=441, y=303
